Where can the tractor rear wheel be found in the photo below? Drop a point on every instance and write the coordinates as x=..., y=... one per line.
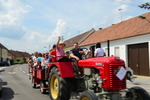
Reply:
x=88, y=95
x=58, y=87
x=140, y=93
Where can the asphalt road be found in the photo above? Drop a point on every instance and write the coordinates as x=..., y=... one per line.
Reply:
x=17, y=85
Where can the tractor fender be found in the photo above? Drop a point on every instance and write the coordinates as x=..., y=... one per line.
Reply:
x=65, y=69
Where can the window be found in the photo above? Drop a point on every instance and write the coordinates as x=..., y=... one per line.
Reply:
x=116, y=51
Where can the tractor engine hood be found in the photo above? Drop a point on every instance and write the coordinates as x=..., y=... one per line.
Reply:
x=100, y=61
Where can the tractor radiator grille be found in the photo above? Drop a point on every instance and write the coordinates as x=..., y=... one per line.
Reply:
x=115, y=82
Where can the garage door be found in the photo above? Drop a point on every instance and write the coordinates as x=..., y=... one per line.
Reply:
x=138, y=58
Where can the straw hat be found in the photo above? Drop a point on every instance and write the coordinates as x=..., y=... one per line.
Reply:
x=62, y=43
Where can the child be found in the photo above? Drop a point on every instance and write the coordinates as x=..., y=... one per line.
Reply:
x=60, y=52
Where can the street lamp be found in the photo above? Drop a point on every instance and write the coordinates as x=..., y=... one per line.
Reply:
x=143, y=17
x=45, y=48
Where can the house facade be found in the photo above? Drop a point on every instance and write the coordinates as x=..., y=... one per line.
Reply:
x=79, y=38
x=130, y=40
x=3, y=53
x=19, y=55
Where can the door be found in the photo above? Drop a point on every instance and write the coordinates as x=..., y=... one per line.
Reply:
x=132, y=58
x=138, y=58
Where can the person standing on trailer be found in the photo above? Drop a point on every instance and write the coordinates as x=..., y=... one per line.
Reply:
x=52, y=53
x=99, y=52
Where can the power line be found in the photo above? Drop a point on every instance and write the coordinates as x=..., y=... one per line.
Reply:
x=132, y=3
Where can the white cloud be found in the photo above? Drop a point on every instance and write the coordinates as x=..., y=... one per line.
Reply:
x=31, y=42
x=26, y=29
x=119, y=1
x=60, y=30
x=11, y=16
x=35, y=41
x=17, y=37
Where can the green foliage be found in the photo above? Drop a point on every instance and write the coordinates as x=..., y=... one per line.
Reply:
x=7, y=59
x=24, y=60
x=12, y=61
x=18, y=60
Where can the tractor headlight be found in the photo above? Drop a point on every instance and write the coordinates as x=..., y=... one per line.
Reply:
x=99, y=81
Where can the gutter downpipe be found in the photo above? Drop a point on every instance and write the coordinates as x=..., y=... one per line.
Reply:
x=108, y=46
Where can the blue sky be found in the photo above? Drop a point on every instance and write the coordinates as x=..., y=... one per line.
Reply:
x=34, y=25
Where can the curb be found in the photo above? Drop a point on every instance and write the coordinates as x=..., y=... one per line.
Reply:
x=141, y=77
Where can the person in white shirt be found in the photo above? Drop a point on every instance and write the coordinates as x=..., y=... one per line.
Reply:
x=99, y=52
x=44, y=63
x=35, y=61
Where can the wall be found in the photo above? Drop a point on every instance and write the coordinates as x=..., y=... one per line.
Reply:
x=68, y=49
x=4, y=54
x=122, y=44
x=0, y=53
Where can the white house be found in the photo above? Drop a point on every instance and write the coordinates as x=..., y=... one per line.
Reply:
x=130, y=40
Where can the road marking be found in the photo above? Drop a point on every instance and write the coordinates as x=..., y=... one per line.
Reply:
x=12, y=73
x=23, y=71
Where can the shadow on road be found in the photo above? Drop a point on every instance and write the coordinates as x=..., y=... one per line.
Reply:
x=7, y=94
x=4, y=83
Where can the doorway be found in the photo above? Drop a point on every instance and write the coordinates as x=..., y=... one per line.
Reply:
x=138, y=58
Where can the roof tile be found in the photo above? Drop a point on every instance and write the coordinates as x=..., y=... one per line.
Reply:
x=131, y=27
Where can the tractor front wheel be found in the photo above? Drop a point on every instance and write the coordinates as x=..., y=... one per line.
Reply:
x=88, y=95
x=58, y=87
x=140, y=93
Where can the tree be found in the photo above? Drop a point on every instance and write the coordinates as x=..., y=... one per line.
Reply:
x=11, y=61
x=145, y=5
x=18, y=60
x=24, y=60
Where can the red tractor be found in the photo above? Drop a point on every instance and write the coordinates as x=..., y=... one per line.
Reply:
x=101, y=78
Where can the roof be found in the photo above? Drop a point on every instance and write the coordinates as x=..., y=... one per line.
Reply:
x=80, y=38
x=19, y=53
x=2, y=46
x=131, y=27
x=24, y=54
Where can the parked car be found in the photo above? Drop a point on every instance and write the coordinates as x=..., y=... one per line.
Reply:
x=1, y=79
x=4, y=63
x=129, y=73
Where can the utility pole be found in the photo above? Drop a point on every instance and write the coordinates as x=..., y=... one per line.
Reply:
x=120, y=14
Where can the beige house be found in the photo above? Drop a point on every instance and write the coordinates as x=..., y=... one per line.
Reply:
x=80, y=38
x=3, y=53
x=19, y=55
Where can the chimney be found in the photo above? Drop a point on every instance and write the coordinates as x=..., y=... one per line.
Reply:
x=100, y=28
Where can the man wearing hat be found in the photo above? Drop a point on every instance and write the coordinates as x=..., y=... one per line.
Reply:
x=60, y=54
